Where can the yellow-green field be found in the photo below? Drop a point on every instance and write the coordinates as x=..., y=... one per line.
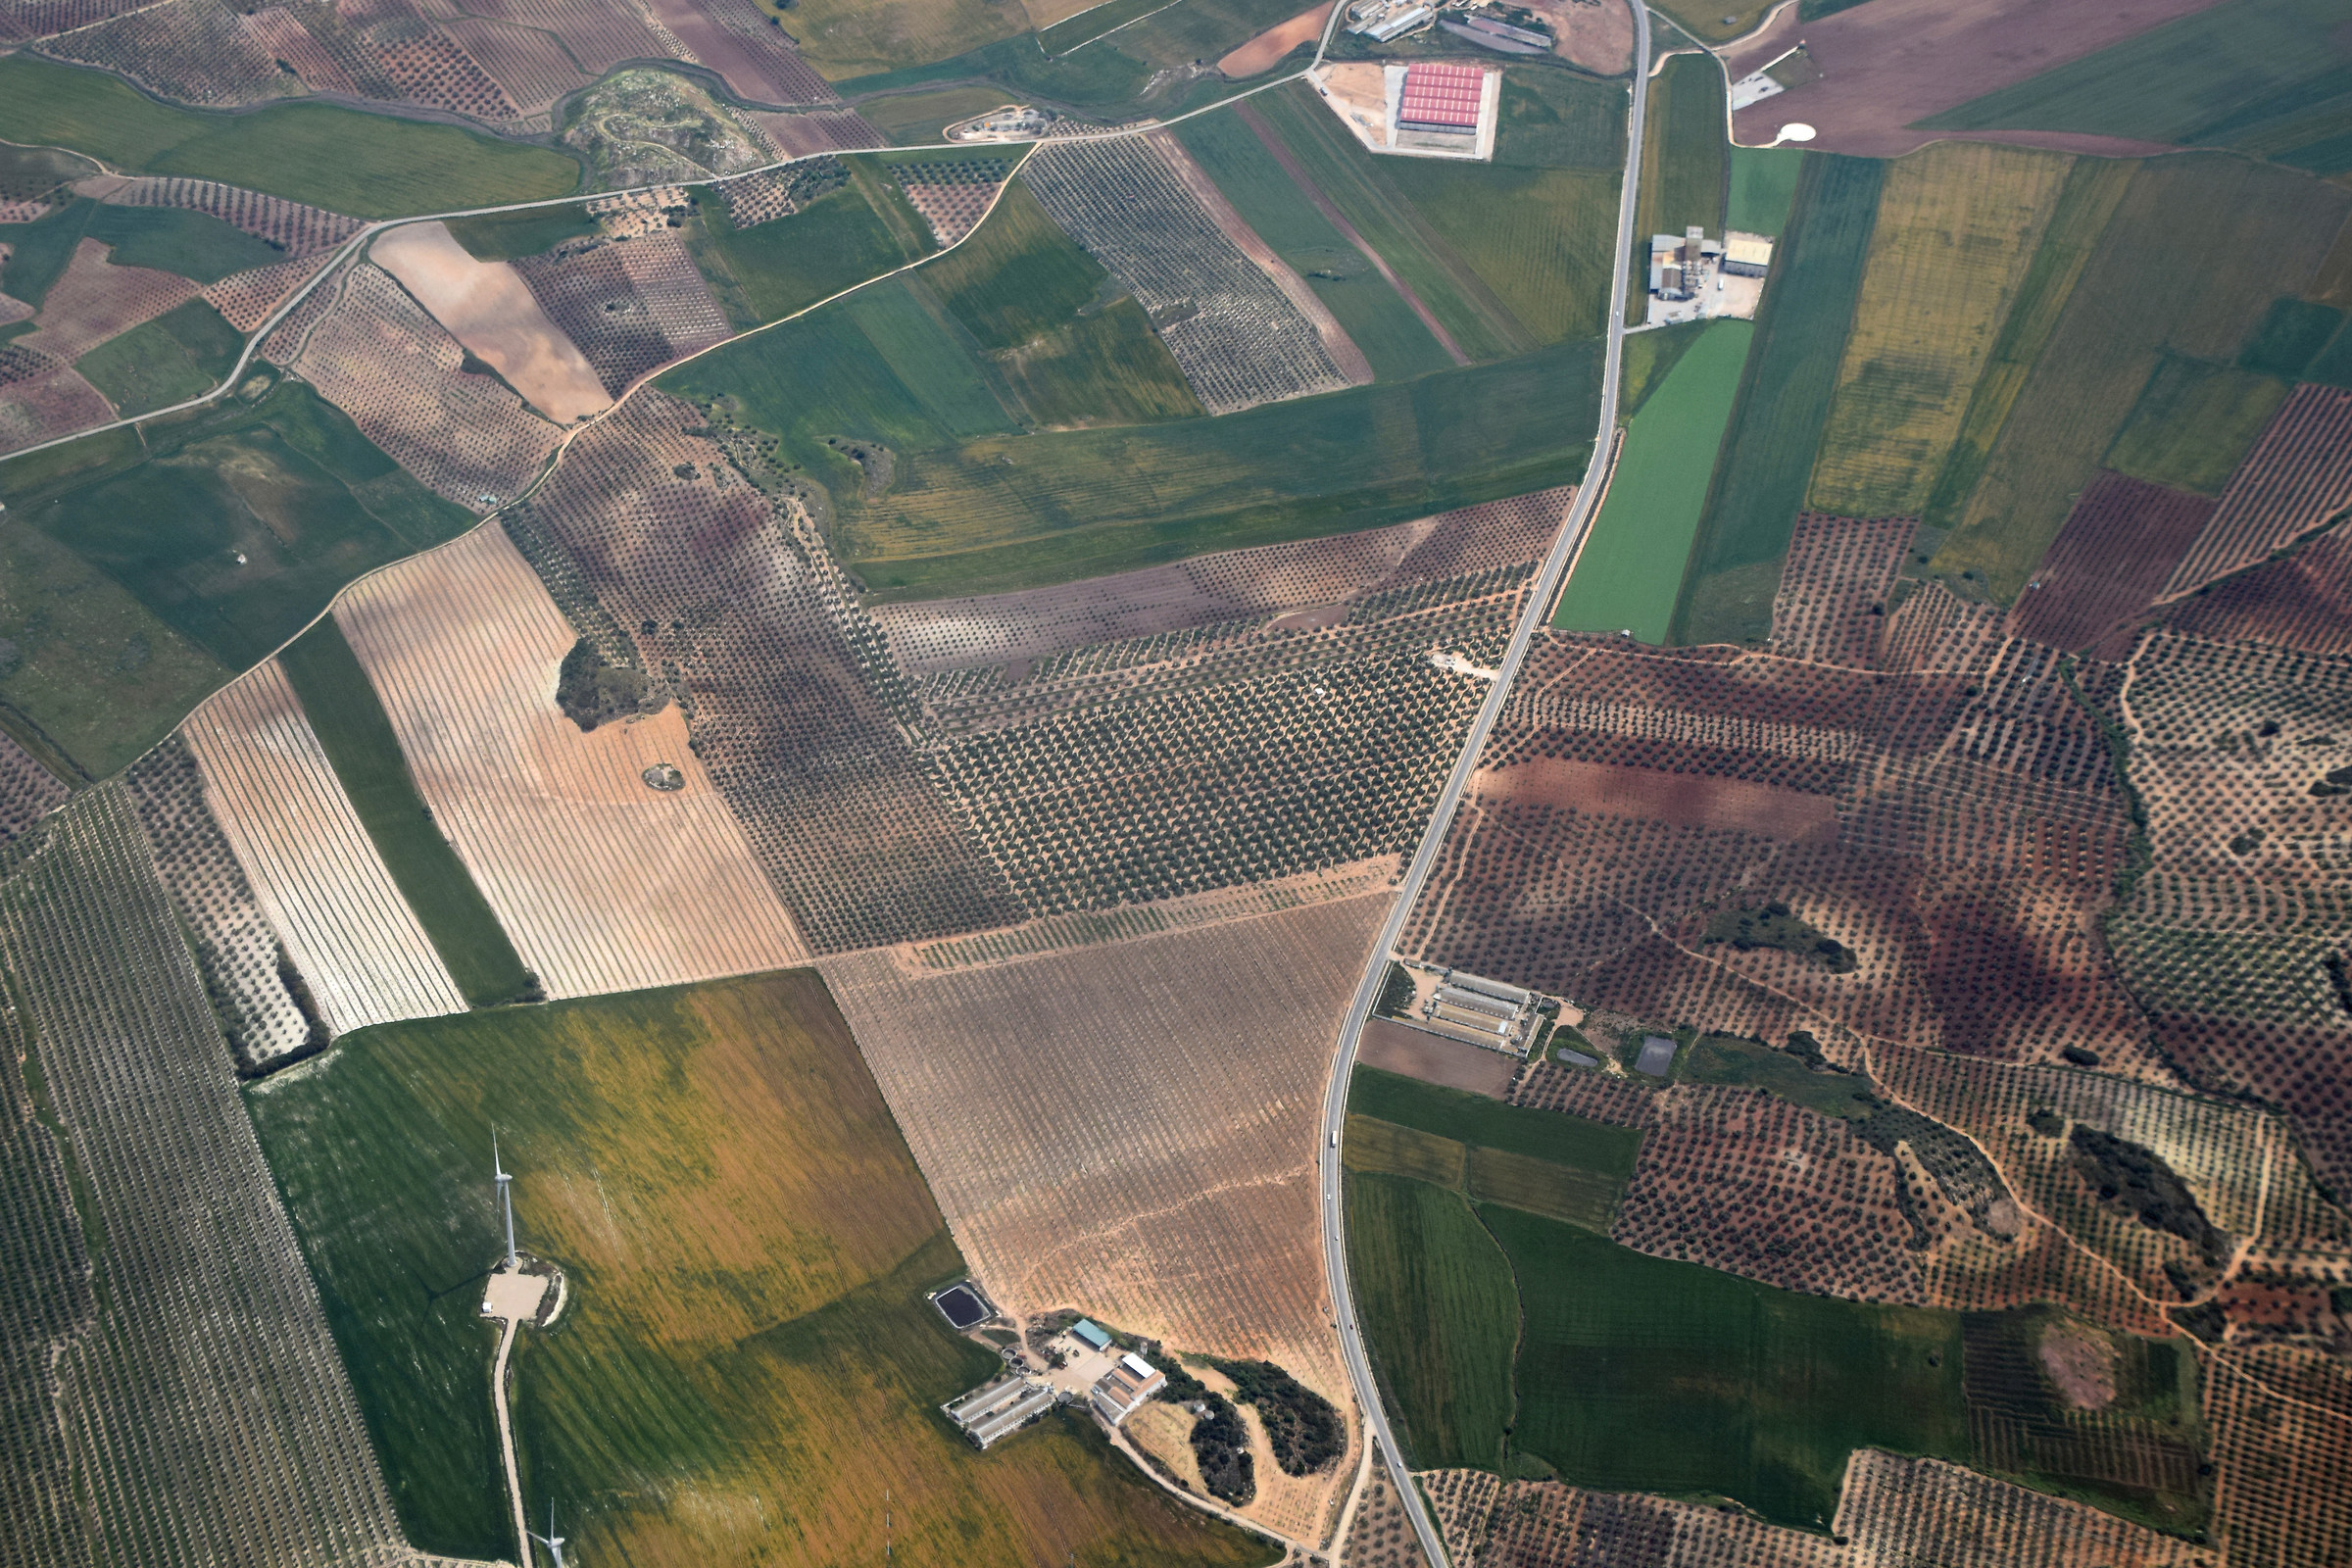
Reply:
x=1958, y=225
x=747, y=1365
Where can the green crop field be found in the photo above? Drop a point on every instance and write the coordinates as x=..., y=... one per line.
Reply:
x=1639, y=1374
x=39, y=252
x=1763, y=188
x=1017, y=276
x=1439, y=1317
x=1649, y=358
x=245, y=520
x=510, y=236
x=746, y=1365
x=1383, y=1145
x=2332, y=367
x=2094, y=188
x=1109, y=367
x=182, y=354
x=768, y=271
x=2269, y=78
x=1711, y=22
x=2198, y=249
x=1687, y=151
x=1093, y=22
x=1957, y=228
x=370, y=166
x=849, y=39
x=2291, y=337
x=2194, y=423
x=1361, y=186
x=1742, y=1063
x=1469, y=1118
x=1630, y=569
x=174, y=239
x=357, y=736
x=1374, y=315
x=919, y=117
x=1554, y=119
x=969, y=513
x=92, y=677
x=1583, y=1192
x=1541, y=240
x=1759, y=481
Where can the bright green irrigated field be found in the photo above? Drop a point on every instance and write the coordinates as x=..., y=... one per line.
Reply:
x=2195, y=252
x=1474, y=1119
x=1629, y=572
x=768, y=272
x=1763, y=188
x=1639, y=1374
x=1957, y=228
x=1554, y=119
x=746, y=1369
x=370, y=166
x=510, y=236
x=1759, y=482
x=2270, y=77
x=1439, y=1315
x=289, y=484
x=2194, y=423
x=1374, y=315
x=182, y=354
x=357, y=736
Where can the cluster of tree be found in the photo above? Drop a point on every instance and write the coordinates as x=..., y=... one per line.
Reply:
x=1396, y=993
x=2140, y=1181
x=1775, y=926
x=1301, y=1426
x=593, y=691
x=1220, y=1442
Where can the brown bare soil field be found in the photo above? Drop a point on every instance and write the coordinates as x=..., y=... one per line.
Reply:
x=1130, y=1129
x=1892, y=62
x=1265, y=51
x=313, y=868
x=95, y=300
x=486, y=307
x=52, y=401
x=732, y=38
x=279, y=31
x=1599, y=37
x=631, y=307
x=1353, y=366
x=1393, y=1047
x=1380, y=1534
x=2303, y=602
x=826, y=131
x=1683, y=799
x=1897, y=1510
x=955, y=197
x=299, y=229
x=1830, y=608
x=246, y=299
x=1596, y=1096
x=432, y=68
x=2120, y=544
x=1037, y=622
x=1546, y=1524
x=604, y=883
x=1743, y=1181
x=529, y=64
x=2298, y=475
x=402, y=378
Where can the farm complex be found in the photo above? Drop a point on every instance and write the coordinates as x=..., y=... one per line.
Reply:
x=1417, y=784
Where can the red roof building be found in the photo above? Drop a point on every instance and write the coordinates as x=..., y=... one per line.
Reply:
x=1441, y=97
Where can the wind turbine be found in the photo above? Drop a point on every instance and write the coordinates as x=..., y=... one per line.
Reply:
x=551, y=1541
x=506, y=1199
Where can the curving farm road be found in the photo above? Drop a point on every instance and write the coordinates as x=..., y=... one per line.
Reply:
x=1540, y=597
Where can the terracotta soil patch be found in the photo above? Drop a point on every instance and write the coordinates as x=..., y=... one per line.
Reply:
x=1265, y=51
x=95, y=300
x=2081, y=1360
x=1683, y=799
x=1889, y=63
x=1393, y=1048
x=487, y=307
x=761, y=68
x=603, y=883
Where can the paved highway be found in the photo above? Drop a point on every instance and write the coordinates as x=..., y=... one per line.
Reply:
x=1555, y=566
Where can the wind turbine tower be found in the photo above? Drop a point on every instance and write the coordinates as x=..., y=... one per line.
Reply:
x=505, y=1200
x=551, y=1541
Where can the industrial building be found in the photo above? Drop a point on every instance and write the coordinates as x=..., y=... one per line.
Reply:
x=1130, y=1382
x=995, y=1411
x=1440, y=99
x=1693, y=277
x=1746, y=255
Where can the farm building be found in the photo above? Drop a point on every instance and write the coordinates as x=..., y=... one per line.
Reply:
x=1746, y=255
x=995, y=1411
x=1092, y=1333
x=1127, y=1385
x=1440, y=99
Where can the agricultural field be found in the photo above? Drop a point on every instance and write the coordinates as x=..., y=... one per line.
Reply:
x=1630, y=570
x=603, y=881
x=716, y=1171
x=630, y=308
x=1785, y=399
x=1180, y=1209
x=342, y=160
x=318, y=876
x=1957, y=228
x=486, y=307
x=2297, y=478
x=125, y=1062
x=1554, y=119
x=2260, y=76
x=2121, y=543
x=179, y=355
x=1763, y=189
x=1685, y=158
x=2193, y=425
x=2155, y=283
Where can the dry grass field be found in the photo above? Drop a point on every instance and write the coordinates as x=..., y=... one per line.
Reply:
x=401, y=377
x=1128, y=1129
x=603, y=882
x=485, y=306
x=315, y=873
x=1958, y=225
